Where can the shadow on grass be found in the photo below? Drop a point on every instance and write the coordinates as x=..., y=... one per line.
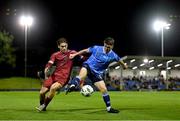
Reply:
x=134, y=108
x=93, y=110
x=74, y=110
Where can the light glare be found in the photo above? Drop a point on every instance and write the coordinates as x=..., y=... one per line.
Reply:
x=145, y=60
x=158, y=25
x=26, y=20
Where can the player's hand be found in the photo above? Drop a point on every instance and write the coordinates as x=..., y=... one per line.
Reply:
x=125, y=66
x=46, y=73
x=71, y=56
x=46, y=76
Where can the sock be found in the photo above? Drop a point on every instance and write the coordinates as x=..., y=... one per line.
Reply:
x=47, y=101
x=76, y=81
x=42, y=98
x=106, y=98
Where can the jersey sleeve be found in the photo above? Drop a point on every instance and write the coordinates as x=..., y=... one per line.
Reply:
x=92, y=48
x=73, y=51
x=116, y=57
x=79, y=57
x=51, y=61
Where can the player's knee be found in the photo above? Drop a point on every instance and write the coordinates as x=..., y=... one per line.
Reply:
x=103, y=90
x=42, y=92
x=53, y=89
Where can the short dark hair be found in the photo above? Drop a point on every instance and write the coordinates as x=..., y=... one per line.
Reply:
x=109, y=41
x=61, y=40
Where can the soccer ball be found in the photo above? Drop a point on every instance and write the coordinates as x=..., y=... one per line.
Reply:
x=86, y=90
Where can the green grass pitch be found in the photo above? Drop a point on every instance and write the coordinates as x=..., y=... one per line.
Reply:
x=132, y=106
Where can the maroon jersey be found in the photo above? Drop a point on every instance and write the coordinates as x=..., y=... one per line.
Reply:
x=63, y=66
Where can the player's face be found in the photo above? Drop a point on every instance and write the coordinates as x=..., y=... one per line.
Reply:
x=107, y=47
x=63, y=47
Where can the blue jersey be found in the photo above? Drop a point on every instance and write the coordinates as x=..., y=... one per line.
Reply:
x=99, y=60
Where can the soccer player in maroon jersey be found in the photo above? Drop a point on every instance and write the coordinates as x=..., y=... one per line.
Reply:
x=59, y=77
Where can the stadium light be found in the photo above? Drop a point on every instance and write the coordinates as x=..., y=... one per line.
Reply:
x=145, y=60
x=135, y=67
x=161, y=25
x=151, y=68
x=117, y=67
x=132, y=60
x=177, y=65
x=159, y=65
x=151, y=61
x=26, y=21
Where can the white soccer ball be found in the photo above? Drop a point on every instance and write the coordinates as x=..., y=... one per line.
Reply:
x=86, y=90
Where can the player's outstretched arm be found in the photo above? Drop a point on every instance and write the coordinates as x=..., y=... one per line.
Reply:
x=121, y=62
x=78, y=53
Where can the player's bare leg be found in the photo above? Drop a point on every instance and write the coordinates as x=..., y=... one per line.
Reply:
x=52, y=92
x=42, y=97
x=50, y=96
x=43, y=92
x=102, y=88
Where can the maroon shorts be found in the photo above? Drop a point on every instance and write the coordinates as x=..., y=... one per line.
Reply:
x=48, y=82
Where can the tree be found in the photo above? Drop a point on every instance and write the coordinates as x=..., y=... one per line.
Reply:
x=7, y=55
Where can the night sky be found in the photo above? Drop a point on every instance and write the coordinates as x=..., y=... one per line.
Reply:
x=85, y=23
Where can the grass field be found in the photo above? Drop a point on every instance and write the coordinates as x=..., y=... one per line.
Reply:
x=132, y=106
x=20, y=83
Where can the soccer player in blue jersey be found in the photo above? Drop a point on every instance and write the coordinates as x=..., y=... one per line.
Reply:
x=94, y=67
